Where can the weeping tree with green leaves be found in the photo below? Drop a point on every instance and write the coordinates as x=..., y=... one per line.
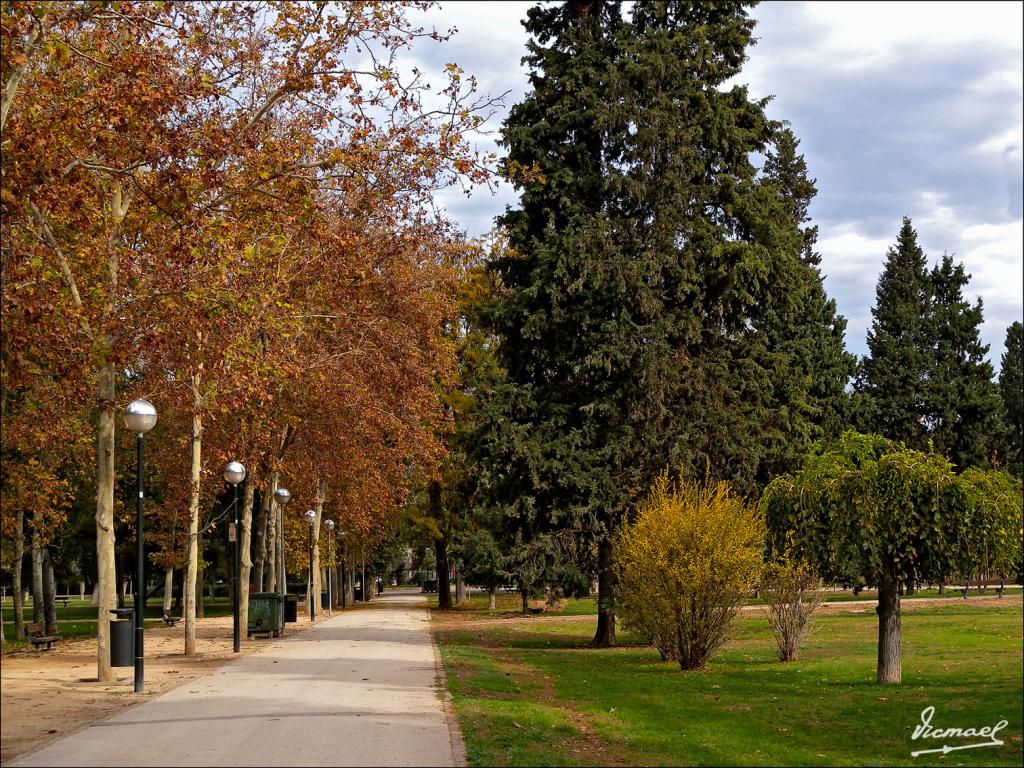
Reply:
x=868, y=510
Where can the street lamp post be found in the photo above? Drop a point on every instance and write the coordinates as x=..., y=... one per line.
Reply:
x=234, y=473
x=139, y=417
x=311, y=518
x=282, y=497
x=330, y=597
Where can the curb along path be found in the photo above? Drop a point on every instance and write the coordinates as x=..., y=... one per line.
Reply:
x=360, y=688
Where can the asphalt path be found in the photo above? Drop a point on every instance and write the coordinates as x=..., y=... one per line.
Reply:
x=363, y=687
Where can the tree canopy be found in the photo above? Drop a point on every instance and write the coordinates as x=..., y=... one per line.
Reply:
x=866, y=510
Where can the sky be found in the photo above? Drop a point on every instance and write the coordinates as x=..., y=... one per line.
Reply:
x=902, y=109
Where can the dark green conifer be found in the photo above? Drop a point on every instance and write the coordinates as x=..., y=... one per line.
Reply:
x=1011, y=388
x=653, y=280
x=818, y=366
x=961, y=398
x=894, y=375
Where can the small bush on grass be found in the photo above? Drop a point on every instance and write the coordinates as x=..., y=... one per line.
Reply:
x=686, y=565
x=792, y=591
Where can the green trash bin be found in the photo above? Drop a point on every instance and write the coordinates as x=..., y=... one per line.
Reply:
x=265, y=613
x=122, y=638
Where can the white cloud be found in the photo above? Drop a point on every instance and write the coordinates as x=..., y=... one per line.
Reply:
x=866, y=34
x=1007, y=141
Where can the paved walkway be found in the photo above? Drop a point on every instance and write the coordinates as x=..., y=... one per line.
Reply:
x=360, y=688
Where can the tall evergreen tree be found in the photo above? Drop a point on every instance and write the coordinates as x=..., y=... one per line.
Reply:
x=961, y=400
x=786, y=168
x=650, y=274
x=814, y=337
x=575, y=314
x=1011, y=388
x=894, y=375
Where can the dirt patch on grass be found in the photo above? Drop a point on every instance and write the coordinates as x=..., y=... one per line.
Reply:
x=43, y=696
x=587, y=747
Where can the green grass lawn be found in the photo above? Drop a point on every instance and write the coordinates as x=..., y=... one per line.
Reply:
x=529, y=692
x=78, y=620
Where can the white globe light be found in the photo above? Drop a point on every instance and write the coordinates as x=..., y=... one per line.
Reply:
x=282, y=496
x=234, y=472
x=140, y=416
x=310, y=516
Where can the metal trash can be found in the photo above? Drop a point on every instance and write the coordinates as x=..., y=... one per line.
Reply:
x=122, y=634
x=291, y=608
x=265, y=613
x=324, y=602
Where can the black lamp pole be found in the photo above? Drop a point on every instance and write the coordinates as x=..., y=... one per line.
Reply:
x=140, y=560
x=234, y=473
x=237, y=602
x=139, y=417
x=312, y=607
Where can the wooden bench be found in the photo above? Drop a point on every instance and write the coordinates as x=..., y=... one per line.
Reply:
x=37, y=638
x=63, y=601
x=170, y=621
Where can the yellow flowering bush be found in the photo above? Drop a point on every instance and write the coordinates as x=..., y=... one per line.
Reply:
x=686, y=564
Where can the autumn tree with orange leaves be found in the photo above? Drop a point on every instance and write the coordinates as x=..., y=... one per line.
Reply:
x=229, y=206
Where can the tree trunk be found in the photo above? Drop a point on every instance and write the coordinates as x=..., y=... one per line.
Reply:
x=911, y=586
x=94, y=595
x=106, y=578
x=524, y=593
x=461, y=598
x=492, y=597
x=270, y=557
x=259, y=544
x=444, y=595
x=889, y=666
x=38, y=608
x=605, y=635
x=81, y=590
x=179, y=595
x=168, y=590
x=192, y=567
x=315, y=583
x=49, y=593
x=246, y=559
x=17, y=591
x=201, y=588
x=942, y=586
x=229, y=560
